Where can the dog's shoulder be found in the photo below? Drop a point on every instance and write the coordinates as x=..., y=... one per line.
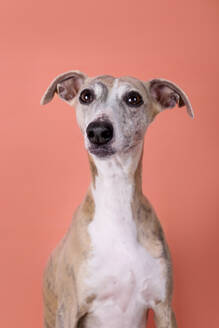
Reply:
x=150, y=231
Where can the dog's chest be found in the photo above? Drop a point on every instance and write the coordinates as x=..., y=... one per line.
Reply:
x=123, y=276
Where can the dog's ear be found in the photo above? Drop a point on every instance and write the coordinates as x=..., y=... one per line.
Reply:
x=66, y=85
x=167, y=95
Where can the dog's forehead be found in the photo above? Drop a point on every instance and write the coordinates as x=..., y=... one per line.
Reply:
x=122, y=82
x=107, y=80
x=132, y=81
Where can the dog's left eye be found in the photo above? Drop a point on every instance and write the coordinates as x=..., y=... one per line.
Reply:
x=133, y=99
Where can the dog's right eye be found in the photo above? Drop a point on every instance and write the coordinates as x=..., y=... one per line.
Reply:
x=86, y=96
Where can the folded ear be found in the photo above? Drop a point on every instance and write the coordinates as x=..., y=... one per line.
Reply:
x=168, y=95
x=66, y=85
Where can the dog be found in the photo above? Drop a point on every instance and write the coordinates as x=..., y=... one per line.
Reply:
x=113, y=265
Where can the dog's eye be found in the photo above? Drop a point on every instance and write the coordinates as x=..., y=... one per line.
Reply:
x=86, y=97
x=133, y=99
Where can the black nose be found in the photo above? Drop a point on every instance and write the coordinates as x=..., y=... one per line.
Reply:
x=100, y=132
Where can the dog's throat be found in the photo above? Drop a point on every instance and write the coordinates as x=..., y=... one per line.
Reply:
x=117, y=174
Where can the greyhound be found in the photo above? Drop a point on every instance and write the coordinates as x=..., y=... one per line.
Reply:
x=113, y=265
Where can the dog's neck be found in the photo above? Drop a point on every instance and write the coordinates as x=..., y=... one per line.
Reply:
x=120, y=170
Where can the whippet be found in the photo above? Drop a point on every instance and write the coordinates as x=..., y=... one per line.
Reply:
x=113, y=265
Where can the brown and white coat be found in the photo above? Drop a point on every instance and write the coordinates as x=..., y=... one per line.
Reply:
x=114, y=263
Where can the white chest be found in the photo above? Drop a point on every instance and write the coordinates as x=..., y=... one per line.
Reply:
x=124, y=276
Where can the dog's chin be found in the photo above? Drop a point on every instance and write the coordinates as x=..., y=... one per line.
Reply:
x=101, y=151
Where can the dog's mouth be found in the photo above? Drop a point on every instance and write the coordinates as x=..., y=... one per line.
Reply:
x=101, y=151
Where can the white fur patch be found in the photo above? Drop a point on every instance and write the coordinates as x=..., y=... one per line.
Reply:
x=125, y=277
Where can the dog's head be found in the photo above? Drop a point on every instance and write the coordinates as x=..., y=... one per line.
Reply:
x=114, y=113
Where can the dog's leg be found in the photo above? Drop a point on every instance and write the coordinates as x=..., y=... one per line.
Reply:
x=164, y=316
x=66, y=316
x=50, y=308
x=60, y=312
x=60, y=301
x=67, y=311
x=50, y=298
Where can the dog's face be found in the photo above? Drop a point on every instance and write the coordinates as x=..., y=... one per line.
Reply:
x=114, y=113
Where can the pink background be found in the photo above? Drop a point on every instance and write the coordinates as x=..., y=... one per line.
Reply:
x=44, y=168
